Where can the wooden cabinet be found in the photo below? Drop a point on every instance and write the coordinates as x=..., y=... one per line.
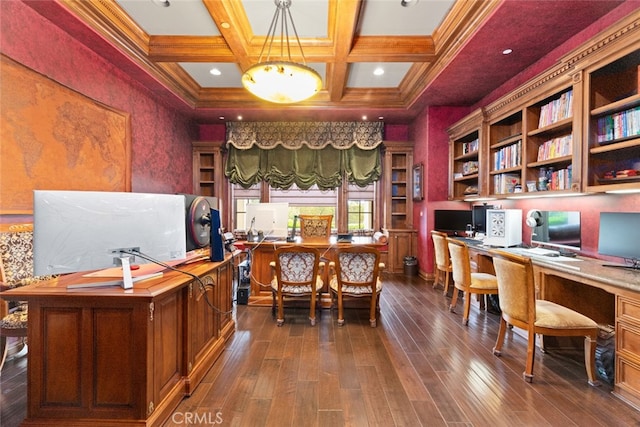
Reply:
x=627, y=366
x=398, y=202
x=112, y=356
x=467, y=146
x=402, y=243
x=208, y=175
x=612, y=114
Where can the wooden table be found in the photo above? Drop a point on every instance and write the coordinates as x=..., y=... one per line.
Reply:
x=105, y=356
x=262, y=253
x=610, y=296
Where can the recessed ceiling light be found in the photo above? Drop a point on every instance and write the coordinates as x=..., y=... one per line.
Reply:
x=507, y=51
x=364, y=117
x=221, y=118
x=239, y=117
x=225, y=25
x=378, y=71
x=381, y=118
x=215, y=71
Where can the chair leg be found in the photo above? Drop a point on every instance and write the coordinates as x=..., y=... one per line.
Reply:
x=446, y=282
x=372, y=310
x=340, y=311
x=497, y=349
x=467, y=309
x=436, y=278
x=312, y=309
x=531, y=357
x=280, y=319
x=4, y=348
x=454, y=300
x=590, y=358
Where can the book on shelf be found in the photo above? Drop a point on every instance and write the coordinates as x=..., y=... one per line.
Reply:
x=508, y=157
x=556, y=147
x=556, y=110
x=623, y=124
x=505, y=183
x=470, y=147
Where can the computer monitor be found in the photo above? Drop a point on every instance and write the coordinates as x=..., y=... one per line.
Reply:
x=452, y=222
x=78, y=231
x=269, y=218
x=619, y=236
x=479, y=215
x=558, y=229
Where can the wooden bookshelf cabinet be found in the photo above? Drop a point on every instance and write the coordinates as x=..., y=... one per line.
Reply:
x=207, y=169
x=466, y=147
x=398, y=203
x=398, y=164
x=505, y=154
x=612, y=111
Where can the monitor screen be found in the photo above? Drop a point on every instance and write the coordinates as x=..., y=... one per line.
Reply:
x=84, y=230
x=479, y=214
x=452, y=221
x=558, y=229
x=269, y=218
x=619, y=235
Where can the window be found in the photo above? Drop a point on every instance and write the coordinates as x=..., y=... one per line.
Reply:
x=309, y=202
x=360, y=207
x=242, y=197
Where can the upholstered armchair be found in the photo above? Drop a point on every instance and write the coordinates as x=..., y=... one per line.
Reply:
x=315, y=227
x=296, y=275
x=521, y=309
x=442, y=259
x=465, y=280
x=16, y=269
x=356, y=274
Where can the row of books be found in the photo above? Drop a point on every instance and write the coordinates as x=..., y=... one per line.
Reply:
x=556, y=147
x=508, y=157
x=505, y=183
x=560, y=179
x=619, y=125
x=470, y=147
x=556, y=110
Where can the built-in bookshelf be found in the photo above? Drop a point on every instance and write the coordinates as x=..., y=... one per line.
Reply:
x=613, y=145
x=466, y=145
x=506, y=154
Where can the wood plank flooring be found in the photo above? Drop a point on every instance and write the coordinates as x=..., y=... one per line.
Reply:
x=419, y=367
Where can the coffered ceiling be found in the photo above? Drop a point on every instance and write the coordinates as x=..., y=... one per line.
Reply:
x=435, y=52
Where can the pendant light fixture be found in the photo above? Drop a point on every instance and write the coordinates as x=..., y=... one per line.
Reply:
x=281, y=80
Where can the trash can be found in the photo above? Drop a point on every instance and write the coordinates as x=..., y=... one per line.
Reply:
x=411, y=266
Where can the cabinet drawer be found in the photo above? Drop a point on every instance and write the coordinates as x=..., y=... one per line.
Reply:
x=628, y=310
x=628, y=341
x=628, y=378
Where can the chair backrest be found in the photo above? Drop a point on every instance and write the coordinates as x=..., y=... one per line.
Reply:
x=443, y=259
x=460, y=264
x=296, y=265
x=16, y=255
x=516, y=286
x=358, y=265
x=315, y=227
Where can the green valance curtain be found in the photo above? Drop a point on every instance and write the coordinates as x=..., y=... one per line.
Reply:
x=303, y=153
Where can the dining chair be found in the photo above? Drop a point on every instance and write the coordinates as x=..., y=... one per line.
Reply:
x=315, y=227
x=356, y=274
x=521, y=309
x=16, y=269
x=296, y=276
x=465, y=280
x=442, y=260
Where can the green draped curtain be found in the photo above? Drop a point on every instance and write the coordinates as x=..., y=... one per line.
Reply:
x=304, y=154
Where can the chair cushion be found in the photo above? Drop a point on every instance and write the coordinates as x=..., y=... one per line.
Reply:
x=15, y=320
x=552, y=315
x=288, y=289
x=484, y=281
x=354, y=290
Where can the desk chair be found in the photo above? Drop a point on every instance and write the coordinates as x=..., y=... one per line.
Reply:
x=296, y=276
x=16, y=269
x=520, y=308
x=442, y=259
x=356, y=275
x=315, y=228
x=466, y=281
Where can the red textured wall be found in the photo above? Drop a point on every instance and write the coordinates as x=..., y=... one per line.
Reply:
x=160, y=136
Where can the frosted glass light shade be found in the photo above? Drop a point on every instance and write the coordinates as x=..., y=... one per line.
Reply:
x=282, y=82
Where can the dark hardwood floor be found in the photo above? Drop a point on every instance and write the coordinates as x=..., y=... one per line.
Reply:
x=419, y=367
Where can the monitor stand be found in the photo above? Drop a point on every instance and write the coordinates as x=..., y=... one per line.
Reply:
x=127, y=280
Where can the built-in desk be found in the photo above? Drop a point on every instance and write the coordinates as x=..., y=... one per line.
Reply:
x=610, y=296
x=262, y=253
x=109, y=356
